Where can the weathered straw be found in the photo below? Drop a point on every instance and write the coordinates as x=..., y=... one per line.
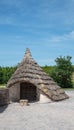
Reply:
x=29, y=71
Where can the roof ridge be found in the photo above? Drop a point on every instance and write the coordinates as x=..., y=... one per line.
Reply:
x=27, y=53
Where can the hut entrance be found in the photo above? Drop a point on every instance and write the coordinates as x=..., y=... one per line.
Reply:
x=28, y=91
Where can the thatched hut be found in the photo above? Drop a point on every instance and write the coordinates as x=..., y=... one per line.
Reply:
x=30, y=82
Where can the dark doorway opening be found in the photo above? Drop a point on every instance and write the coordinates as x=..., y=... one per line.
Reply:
x=28, y=91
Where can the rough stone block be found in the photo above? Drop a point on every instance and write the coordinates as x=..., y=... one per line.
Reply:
x=24, y=102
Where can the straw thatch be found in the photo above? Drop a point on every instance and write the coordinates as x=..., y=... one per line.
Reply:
x=29, y=71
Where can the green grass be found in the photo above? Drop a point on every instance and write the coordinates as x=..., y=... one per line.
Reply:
x=73, y=79
x=2, y=85
x=68, y=88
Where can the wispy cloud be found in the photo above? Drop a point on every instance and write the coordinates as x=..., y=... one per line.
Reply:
x=43, y=13
x=46, y=26
x=64, y=37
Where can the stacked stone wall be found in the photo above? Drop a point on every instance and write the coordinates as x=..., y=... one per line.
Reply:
x=4, y=97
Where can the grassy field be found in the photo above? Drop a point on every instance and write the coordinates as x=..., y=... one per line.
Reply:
x=68, y=88
x=73, y=79
x=3, y=86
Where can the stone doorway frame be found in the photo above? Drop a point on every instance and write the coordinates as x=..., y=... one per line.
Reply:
x=28, y=91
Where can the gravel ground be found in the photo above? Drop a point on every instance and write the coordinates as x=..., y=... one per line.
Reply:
x=37, y=116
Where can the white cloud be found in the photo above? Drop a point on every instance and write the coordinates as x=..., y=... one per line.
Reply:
x=70, y=36
x=64, y=37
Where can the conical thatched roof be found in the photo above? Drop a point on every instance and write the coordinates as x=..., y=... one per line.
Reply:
x=29, y=71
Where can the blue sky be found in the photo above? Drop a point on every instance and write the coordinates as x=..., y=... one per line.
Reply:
x=44, y=26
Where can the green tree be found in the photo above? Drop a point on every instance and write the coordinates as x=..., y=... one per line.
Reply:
x=1, y=76
x=62, y=73
x=5, y=73
x=48, y=69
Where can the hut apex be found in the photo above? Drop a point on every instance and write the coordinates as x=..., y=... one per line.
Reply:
x=30, y=82
x=28, y=53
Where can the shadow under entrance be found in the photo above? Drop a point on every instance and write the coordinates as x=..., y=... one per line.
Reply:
x=28, y=91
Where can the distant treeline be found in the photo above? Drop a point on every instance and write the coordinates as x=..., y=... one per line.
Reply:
x=6, y=72
x=48, y=69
